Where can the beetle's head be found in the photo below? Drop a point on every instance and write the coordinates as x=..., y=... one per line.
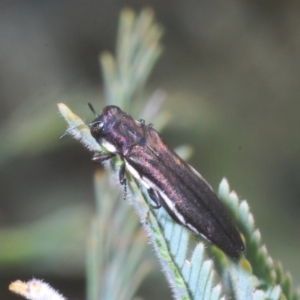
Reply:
x=104, y=121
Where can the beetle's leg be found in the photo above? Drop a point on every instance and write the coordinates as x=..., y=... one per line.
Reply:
x=122, y=179
x=100, y=157
x=155, y=197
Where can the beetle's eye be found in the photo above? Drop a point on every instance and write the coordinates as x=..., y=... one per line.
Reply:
x=96, y=129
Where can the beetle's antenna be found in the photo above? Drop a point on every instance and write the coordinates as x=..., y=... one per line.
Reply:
x=92, y=109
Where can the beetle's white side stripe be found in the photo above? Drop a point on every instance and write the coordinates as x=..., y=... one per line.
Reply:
x=136, y=174
x=132, y=170
x=192, y=228
x=172, y=207
x=200, y=176
x=108, y=146
x=149, y=184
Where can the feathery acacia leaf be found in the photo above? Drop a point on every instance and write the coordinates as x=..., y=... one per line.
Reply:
x=270, y=279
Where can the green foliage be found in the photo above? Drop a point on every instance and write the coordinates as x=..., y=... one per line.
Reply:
x=137, y=50
x=188, y=279
x=254, y=276
x=115, y=265
x=271, y=281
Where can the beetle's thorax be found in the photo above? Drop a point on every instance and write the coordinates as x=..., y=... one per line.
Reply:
x=116, y=131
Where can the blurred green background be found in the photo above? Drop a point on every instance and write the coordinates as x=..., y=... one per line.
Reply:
x=231, y=72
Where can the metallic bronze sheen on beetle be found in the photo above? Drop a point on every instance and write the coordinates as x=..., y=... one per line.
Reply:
x=170, y=181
